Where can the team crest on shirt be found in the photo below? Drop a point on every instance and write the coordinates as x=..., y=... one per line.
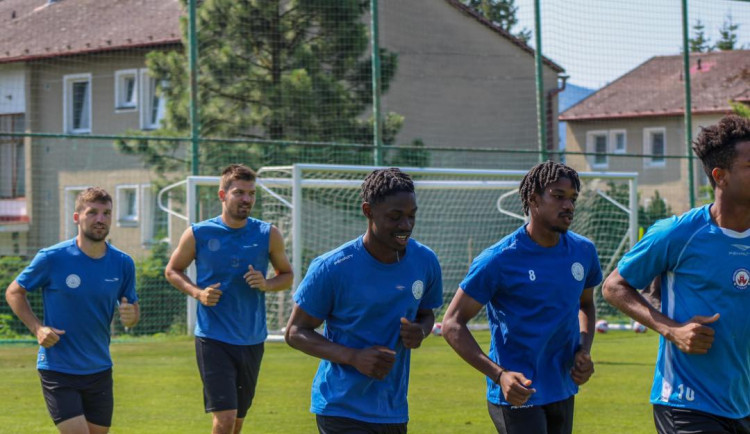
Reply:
x=214, y=244
x=73, y=281
x=577, y=270
x=741, y=279
x=417, y=288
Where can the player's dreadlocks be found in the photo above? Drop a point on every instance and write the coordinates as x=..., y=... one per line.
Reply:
x=542, y=175
x=715, y=145
x=385, y=182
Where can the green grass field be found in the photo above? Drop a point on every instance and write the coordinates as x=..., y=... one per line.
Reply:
x=157, y=389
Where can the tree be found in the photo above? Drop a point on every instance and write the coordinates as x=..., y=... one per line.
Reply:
x=699, y=43
x=272, y=74
x=728, y=35
x=502, y=13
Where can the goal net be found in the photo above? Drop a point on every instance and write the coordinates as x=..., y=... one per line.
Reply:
x=461, y=212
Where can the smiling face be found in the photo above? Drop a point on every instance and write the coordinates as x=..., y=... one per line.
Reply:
x=390, y=224
x=238, y=200
x=94, y=220
x=553, y=209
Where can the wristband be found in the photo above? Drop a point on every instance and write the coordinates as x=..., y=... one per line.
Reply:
x=500, y=374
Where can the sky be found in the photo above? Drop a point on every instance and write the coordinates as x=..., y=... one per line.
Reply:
x=597, y=41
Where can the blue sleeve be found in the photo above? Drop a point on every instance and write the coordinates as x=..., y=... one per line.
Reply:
x=315, y=294
x=650, y=257
x=595, y=270
x=433, y=298
x=36, y=274
x=483, y=279
x=128, y=282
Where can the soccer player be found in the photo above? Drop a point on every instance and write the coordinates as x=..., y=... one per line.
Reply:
x=538, y=285
x=231, y=254
x=376, y=294
x=702, y=376
x=83, y=281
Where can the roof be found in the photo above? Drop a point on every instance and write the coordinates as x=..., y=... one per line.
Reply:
x=502, y=32
x=33, y=29
x=657, y=88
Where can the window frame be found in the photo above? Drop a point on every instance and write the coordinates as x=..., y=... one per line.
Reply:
x=613, y=139
x=127, y=220
x=591, y=148
x=120, y=104
x=147, y=98
x=648, y=160
x=68, y=116
x=71, y=192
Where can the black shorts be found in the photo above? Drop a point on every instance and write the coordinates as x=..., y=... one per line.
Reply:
x=552, y=418
x=338, y=425
x=68, y=396
x=673, y=420
x=229, y=373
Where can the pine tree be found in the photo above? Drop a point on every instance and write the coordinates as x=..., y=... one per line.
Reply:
x=728, y=35
x=699, y=43
x=502, y=13
x=271, y=72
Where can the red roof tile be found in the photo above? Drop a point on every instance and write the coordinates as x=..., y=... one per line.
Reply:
x=36, y=29
x=657, y=88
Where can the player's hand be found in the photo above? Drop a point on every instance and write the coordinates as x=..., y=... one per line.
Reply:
x=412, y=334
x=48, y=336
x=692, y=336
x=375, y=362
x=516, y=388
x=255, y=279
x=210, y=295
x=583, y=367
x=127, y=312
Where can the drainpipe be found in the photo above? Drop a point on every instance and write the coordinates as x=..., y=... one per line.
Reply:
x=551, y=127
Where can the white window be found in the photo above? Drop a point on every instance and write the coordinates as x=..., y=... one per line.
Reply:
x=12, y=158
x=654, y=146
x=619, y=141
x=127, y=205
x=153, y=104
x=596, y=143
x=77, y=103
x=71, y=193
x=126, y=89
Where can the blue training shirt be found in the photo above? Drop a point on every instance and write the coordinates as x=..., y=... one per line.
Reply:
x=222, y=255
x=362, y=301
x=79, y=295
x=533, y=296
x=704, y=270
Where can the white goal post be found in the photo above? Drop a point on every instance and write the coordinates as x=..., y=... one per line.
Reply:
x=461, y=212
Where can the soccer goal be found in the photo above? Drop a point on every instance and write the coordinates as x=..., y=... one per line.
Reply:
x=461, y=212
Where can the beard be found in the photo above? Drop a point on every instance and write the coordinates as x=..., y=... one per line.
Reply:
x=97, y=236
x=240, y=214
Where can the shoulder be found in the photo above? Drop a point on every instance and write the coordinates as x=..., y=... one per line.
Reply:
x=264, y=226
x=580, y=241
x=210, y=223
x=119, y=254
x=60, y=249
x=421, y=250
x=340, y=254
x=681, y=227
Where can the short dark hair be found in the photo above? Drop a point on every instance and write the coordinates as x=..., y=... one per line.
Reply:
x=385, y=182
x=235, y=172
x=92, y=194
x=542, y=175
x=716, y=145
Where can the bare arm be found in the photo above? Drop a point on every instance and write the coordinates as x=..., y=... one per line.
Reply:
x=280, y=263
x=455, y=330
x=375, y=362
x=180, y=260
x=583, y=365
x=15, y=295
x=691, y=337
